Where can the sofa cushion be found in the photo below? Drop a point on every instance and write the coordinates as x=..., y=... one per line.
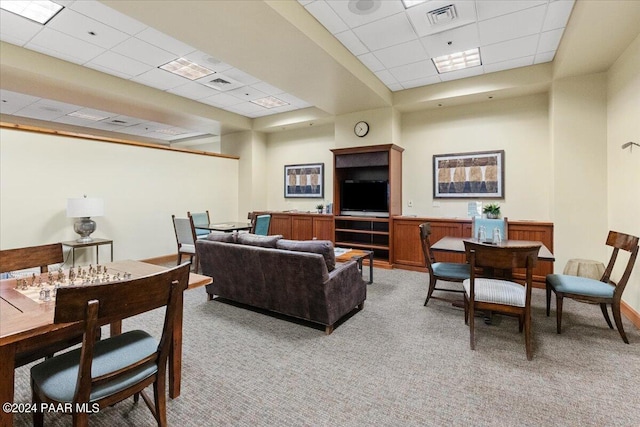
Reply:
x=256, y=240
x=322, y=247
x=222, y=237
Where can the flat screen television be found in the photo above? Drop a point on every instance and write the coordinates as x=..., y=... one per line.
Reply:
x=368, y=198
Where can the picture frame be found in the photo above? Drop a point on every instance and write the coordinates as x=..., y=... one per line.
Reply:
x=469, y=175
x=304, y=181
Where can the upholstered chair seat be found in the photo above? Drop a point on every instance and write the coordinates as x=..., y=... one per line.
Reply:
x=497, y=292
x=451, y=269
x=581, y=285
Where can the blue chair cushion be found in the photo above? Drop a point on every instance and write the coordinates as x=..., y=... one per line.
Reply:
x=451, y=270
x=580, y=285
x=57, y=377
x=202, y=232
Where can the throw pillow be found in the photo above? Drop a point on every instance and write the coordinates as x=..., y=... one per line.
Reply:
x=257, y=240
x=222, y=237
x=322, y=247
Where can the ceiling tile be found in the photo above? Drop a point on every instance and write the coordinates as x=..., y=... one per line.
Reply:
x=386, y=77
x=558, y=14
x=414, y=71
x=118, y=63
x=370, y=60
x=193, y=90
x=492, y=8
x=246, y=107
x=511, y=26
x=456, y=40
x=46, y=109
x=160, y=79
x=89, y=30
x=525, y=46
x=292, y=100
x=395, y=87
x=10, y=102
x=16, y=29
x=164, y=42
x=327, y=16
x=247, y=93
x=465, y=10
x=424, y=81
x=208, y=61
x=60, y=45
x=462, y=74
x=221, y=100
x=144, y=52
x=550, y=40
x=507, y=65
x=241, y=76
x=541, y=58
x=402, y=54
x=108, y=16
x=267, y=88
x=352, y=42
x=386, y=32
x=360, y=12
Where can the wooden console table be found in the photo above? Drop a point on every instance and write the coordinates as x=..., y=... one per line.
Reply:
x=73, y=244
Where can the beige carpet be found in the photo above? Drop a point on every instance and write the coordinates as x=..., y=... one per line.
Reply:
x=396, y=363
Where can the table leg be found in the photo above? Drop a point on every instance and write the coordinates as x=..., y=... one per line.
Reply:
x=175, y=352
x=111, y=251
x=97, y=254
x=7, y=356
x=73, y=257
x=370, y=267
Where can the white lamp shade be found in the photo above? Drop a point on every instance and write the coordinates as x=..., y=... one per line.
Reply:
x=84, y=207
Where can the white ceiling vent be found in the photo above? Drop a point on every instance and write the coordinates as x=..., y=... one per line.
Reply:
x=442, y=15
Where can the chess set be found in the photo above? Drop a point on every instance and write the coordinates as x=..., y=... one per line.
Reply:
x=43, y=288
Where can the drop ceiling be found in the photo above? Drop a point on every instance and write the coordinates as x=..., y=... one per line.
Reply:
x=322, y=57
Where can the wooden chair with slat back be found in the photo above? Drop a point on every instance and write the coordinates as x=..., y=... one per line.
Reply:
x=487, y=293
x=447, y=271
x=604, y=291
x=105, y=372
x=36, y=257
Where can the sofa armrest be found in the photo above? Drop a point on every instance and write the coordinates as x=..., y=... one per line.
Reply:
x=344, y=290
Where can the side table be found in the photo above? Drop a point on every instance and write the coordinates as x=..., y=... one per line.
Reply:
x=358, y=255
x=95, y=242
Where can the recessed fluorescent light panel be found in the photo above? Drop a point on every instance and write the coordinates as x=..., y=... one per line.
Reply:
x=457, y=61
x=187, y=69
x=86, y=116
x=169, y=131
x=38, y=11
x=270, y=102
x=411, y=3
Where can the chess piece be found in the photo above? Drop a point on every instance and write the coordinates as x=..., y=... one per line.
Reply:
x=47, y=294
x=72, y=274
x=42, y=294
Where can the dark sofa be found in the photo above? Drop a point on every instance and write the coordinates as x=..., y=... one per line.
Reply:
x=295, y=278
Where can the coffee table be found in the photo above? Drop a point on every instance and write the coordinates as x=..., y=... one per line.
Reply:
x=357, y=255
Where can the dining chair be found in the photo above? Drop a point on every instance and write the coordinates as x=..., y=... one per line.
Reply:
x=36, y=257
x=603, y=291
x=485, y=292
x=449, y=271
x=201, y=219
x=103, y=373
x=186, y=238
x=262, y=225
x=490, y=225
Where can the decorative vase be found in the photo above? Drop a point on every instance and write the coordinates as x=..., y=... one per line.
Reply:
x=492, y=215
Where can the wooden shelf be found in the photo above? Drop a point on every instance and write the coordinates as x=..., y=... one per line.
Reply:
x=351, y=230
x=361, y=246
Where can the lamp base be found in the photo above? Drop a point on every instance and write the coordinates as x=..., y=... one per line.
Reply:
x=84, y=227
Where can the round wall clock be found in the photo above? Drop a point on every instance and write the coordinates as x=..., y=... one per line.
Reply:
x=361, y=128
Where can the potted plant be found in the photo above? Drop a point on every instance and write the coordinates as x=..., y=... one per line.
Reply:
x=492, y=210
x=319, y=207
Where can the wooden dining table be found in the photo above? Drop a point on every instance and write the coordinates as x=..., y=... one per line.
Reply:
x=456, y=244
x=26, y=325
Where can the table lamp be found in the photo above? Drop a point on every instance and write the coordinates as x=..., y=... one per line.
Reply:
x=83, y=208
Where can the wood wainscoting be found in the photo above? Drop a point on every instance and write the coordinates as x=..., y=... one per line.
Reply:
x=407, y=252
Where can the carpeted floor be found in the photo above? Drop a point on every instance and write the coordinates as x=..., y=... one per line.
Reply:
x=396, y=363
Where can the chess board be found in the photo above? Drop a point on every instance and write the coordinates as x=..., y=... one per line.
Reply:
x=42, y=289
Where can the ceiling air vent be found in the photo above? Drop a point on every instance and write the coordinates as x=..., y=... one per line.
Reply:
x=118, y=122
x=442, y=15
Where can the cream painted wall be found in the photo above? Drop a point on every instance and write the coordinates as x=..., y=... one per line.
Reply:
x=382, y=124
x=623, y=166
x=579, y=151
x=298, y=146
x=519, y=126
x=141, y=188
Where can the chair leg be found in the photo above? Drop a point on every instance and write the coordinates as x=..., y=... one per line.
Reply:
x=548, y=289
x=472, y=337
x=527, y=336
x=38, y=415
x=605, y=313
x=197, y=268
x=521, y=323
x=432, y=287
x=80, y=419
x=558, y=312
x=160, y=400
x=466, y=310
x=615, y=309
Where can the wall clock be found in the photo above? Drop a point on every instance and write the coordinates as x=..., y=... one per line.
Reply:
x=361, y=129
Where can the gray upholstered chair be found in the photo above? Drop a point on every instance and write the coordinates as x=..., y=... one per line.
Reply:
x=487, y=293
x=102, y=373
x=490, y=225
x=201, y=219
x=262, y=225
x=448, y=271
x=186, y=238
x=603, y=291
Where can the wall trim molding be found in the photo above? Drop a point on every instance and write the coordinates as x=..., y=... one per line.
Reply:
x=36, y=129
x=630, y=313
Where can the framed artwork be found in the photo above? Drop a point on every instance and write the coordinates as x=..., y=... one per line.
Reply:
x=469, y=175
x=304, y=180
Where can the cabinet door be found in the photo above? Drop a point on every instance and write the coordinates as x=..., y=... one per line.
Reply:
x=301, y=227
x=280, y=224
x=323, y=228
